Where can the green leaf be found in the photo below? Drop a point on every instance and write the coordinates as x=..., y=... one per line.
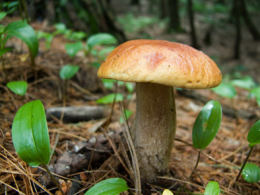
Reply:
x=167, y=192
x=104, y=52
x=251, y=173
x=77, y=36
x=101, y=39
x=130, y=87
x=60, y=28
x=30, y=134
x=225, y=90
x=128, y=113
x=256, y=93
x=68, y=71
x=108, y=83
x=246, y=82
x=5, y=50
x=47, y=36
x=112, y=186
x=207, y=124
x=212, y=188
x=2, y=15
x=95, y=64
x=108, y=99
x=25, y=32
x=73, y=48
x=18, y=87
x=253, y=136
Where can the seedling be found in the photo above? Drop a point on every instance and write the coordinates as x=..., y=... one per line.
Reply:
x=251, y=173
x=225, y=89
x=18, y=87
x=256, y=93
x=126, y=116
x=30, y=136
x=73, y=48
x=47, y=36
x=212, y=188
x=66, y=73
x=112, y=186
x=109, y=99
x=253, y=138
x=206, y=127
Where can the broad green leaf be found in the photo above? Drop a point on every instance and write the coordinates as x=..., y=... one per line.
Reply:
x=108, y=83
x=251, y=173
x=25, y=32
x=256, y=93
x=225, y=90
x=212, y=188
x=73, y=48
x=108, y=99
x=104, y=52
x=128, y=113
x=112, y=186
x=2, y=15
x=207, y=124
x=253, y=136
x=18, y=87
x=60, y=28
x=77, y=36
x=167, y=192
x=101, y=39
x=30, y=134
x=246, y=82
x=5, y=50
x=68, y=71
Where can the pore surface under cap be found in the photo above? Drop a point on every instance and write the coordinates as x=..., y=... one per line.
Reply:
x=161, y=62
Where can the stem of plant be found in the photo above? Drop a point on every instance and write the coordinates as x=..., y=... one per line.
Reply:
x=196, y=165
x=244, y=164
x=53, y=179
x=64, y=94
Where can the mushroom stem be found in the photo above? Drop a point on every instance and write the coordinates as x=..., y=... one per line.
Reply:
x=154, y=130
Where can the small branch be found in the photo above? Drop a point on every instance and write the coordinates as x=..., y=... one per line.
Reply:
x=244, y=164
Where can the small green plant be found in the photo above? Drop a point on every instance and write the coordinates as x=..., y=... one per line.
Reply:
x=30, y=136
x=18, y=87
x=253, y=138
x=108, y=99
x=225, y=89
x=251, y=173
x=127, y=115
x=66, y=73
x=73, y=48
x=255, y=92
x=111, y=186
x=206, y=127
x=48, y=37
x=212, y=188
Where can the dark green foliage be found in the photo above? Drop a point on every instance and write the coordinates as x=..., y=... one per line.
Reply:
x=251, y=173
x=30, y=134
x=68, y=71
x=253, y=136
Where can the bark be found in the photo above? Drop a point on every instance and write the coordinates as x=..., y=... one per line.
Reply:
x=154, y=130
x=175, y=23
x=250, y=25
x=237, y=14
x=164, y=9
x=193, y=35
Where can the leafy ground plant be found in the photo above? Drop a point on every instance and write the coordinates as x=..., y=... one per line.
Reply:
x=206, y=127
x=30, y=136
x=111, y=186
x=18, y=87
x=253, y=138
x=66, y=73
x=212, y=188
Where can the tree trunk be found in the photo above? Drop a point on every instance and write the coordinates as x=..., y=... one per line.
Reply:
x=175, y=23
x=163, y=7
x=237, y=14
x=250, y=25
x=193, y=35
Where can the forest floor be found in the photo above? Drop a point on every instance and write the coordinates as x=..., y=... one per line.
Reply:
x=89, y=151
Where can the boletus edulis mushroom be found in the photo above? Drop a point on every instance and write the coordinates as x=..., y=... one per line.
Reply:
x=157, y=67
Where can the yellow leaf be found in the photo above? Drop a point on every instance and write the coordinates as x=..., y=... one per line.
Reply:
x=167, y=192
x=24, y=57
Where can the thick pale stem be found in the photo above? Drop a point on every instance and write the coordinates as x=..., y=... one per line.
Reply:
x=154, y=130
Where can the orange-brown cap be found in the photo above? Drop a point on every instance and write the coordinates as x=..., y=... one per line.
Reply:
x=161, y=62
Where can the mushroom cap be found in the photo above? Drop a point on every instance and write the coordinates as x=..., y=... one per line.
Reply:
x=161, y=62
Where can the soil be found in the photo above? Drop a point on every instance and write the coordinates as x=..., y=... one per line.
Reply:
x=89, y=151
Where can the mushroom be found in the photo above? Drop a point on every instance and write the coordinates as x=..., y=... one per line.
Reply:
x=157, y=67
